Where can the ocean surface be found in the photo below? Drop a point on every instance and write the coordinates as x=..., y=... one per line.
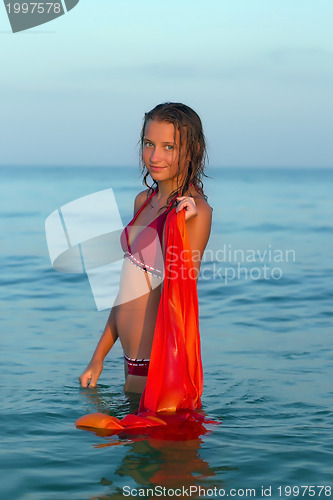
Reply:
x=266, y=316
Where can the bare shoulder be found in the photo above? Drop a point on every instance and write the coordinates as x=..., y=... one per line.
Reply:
x=204, y=208
x=140, y=199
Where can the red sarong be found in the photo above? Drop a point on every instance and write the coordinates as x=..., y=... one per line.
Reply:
x=174, y=384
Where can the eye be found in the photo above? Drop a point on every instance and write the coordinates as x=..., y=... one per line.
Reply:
x=169, y=147
x=148, y=144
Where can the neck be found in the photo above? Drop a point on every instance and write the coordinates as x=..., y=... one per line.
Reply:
x=165, y=188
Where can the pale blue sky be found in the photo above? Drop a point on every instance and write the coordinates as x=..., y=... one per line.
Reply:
x=259, y=72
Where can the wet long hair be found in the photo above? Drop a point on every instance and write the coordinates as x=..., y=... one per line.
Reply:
x=192, y=145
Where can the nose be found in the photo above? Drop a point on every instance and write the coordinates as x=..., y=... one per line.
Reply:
x=155, y=155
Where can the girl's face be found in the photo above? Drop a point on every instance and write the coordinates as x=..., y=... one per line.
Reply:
x=161, y=149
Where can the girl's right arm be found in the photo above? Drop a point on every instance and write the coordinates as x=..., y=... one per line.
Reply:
x=109, y=336
x=91, y=374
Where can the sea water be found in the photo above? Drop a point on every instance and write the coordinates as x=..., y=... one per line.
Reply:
x=265, y=296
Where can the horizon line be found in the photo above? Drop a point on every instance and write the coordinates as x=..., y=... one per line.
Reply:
x=214, y=167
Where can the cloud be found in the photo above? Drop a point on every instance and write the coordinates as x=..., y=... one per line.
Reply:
x=301, y=65
x=286, y=62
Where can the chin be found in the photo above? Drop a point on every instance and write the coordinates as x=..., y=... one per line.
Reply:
x=159, y=175
x=163, y=175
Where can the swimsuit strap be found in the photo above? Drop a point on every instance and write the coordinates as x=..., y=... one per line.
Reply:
x=195, y=187
x=145, y=203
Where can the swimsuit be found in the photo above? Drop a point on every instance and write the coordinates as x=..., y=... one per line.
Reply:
x=145, y=252
x=137, y=366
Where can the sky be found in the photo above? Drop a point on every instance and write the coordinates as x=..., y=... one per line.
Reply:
x=258, y=72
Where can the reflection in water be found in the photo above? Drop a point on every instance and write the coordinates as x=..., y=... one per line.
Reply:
x=154, y=462
x=161, y=456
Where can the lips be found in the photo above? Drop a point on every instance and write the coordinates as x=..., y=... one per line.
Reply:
x=156, y=169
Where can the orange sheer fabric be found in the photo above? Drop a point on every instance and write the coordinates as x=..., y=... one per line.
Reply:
x=174, y=383
x=175, y=371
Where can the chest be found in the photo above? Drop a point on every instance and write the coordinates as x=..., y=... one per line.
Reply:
x=145, y=219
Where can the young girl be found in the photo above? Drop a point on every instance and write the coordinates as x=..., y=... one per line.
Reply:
x=173, y=154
